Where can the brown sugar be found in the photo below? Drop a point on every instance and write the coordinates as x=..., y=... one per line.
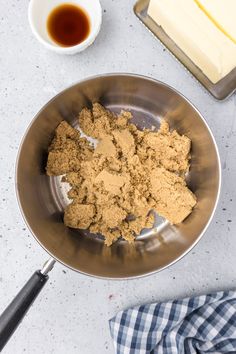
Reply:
x=173, y=199
x=116, y=186
x=79, y=216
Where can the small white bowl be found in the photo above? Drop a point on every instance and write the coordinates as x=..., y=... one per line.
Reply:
x=39, y=10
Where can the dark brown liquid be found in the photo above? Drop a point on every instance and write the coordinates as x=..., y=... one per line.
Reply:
x=68, y=25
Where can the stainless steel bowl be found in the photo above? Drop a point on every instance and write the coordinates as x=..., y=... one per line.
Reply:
x=42, y=198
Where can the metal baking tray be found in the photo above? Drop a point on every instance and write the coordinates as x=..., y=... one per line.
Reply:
x=221, y=90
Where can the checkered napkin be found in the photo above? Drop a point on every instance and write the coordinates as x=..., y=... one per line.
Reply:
x=202, y=324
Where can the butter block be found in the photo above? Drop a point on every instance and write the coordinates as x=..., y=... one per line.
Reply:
x=223, y=15
x=194, y=33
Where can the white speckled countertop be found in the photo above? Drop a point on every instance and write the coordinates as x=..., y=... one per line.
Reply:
x=72, y=312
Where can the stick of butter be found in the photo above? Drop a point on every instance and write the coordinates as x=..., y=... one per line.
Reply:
x=192, y=30
x=223, y=15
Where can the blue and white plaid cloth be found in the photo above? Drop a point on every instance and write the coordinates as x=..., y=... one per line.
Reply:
x=201, y=324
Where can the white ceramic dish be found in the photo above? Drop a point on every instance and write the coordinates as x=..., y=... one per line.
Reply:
x=39, y=10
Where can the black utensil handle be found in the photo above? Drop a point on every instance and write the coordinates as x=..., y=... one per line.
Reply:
x=14, y=313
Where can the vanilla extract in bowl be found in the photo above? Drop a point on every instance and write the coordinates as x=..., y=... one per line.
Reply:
x=68, y=25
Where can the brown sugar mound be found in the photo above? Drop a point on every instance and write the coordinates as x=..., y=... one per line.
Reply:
x=130, y=173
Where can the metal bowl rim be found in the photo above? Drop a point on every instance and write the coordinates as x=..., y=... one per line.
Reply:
x=218, y=161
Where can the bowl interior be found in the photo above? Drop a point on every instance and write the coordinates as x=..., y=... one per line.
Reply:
x=42, y=199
